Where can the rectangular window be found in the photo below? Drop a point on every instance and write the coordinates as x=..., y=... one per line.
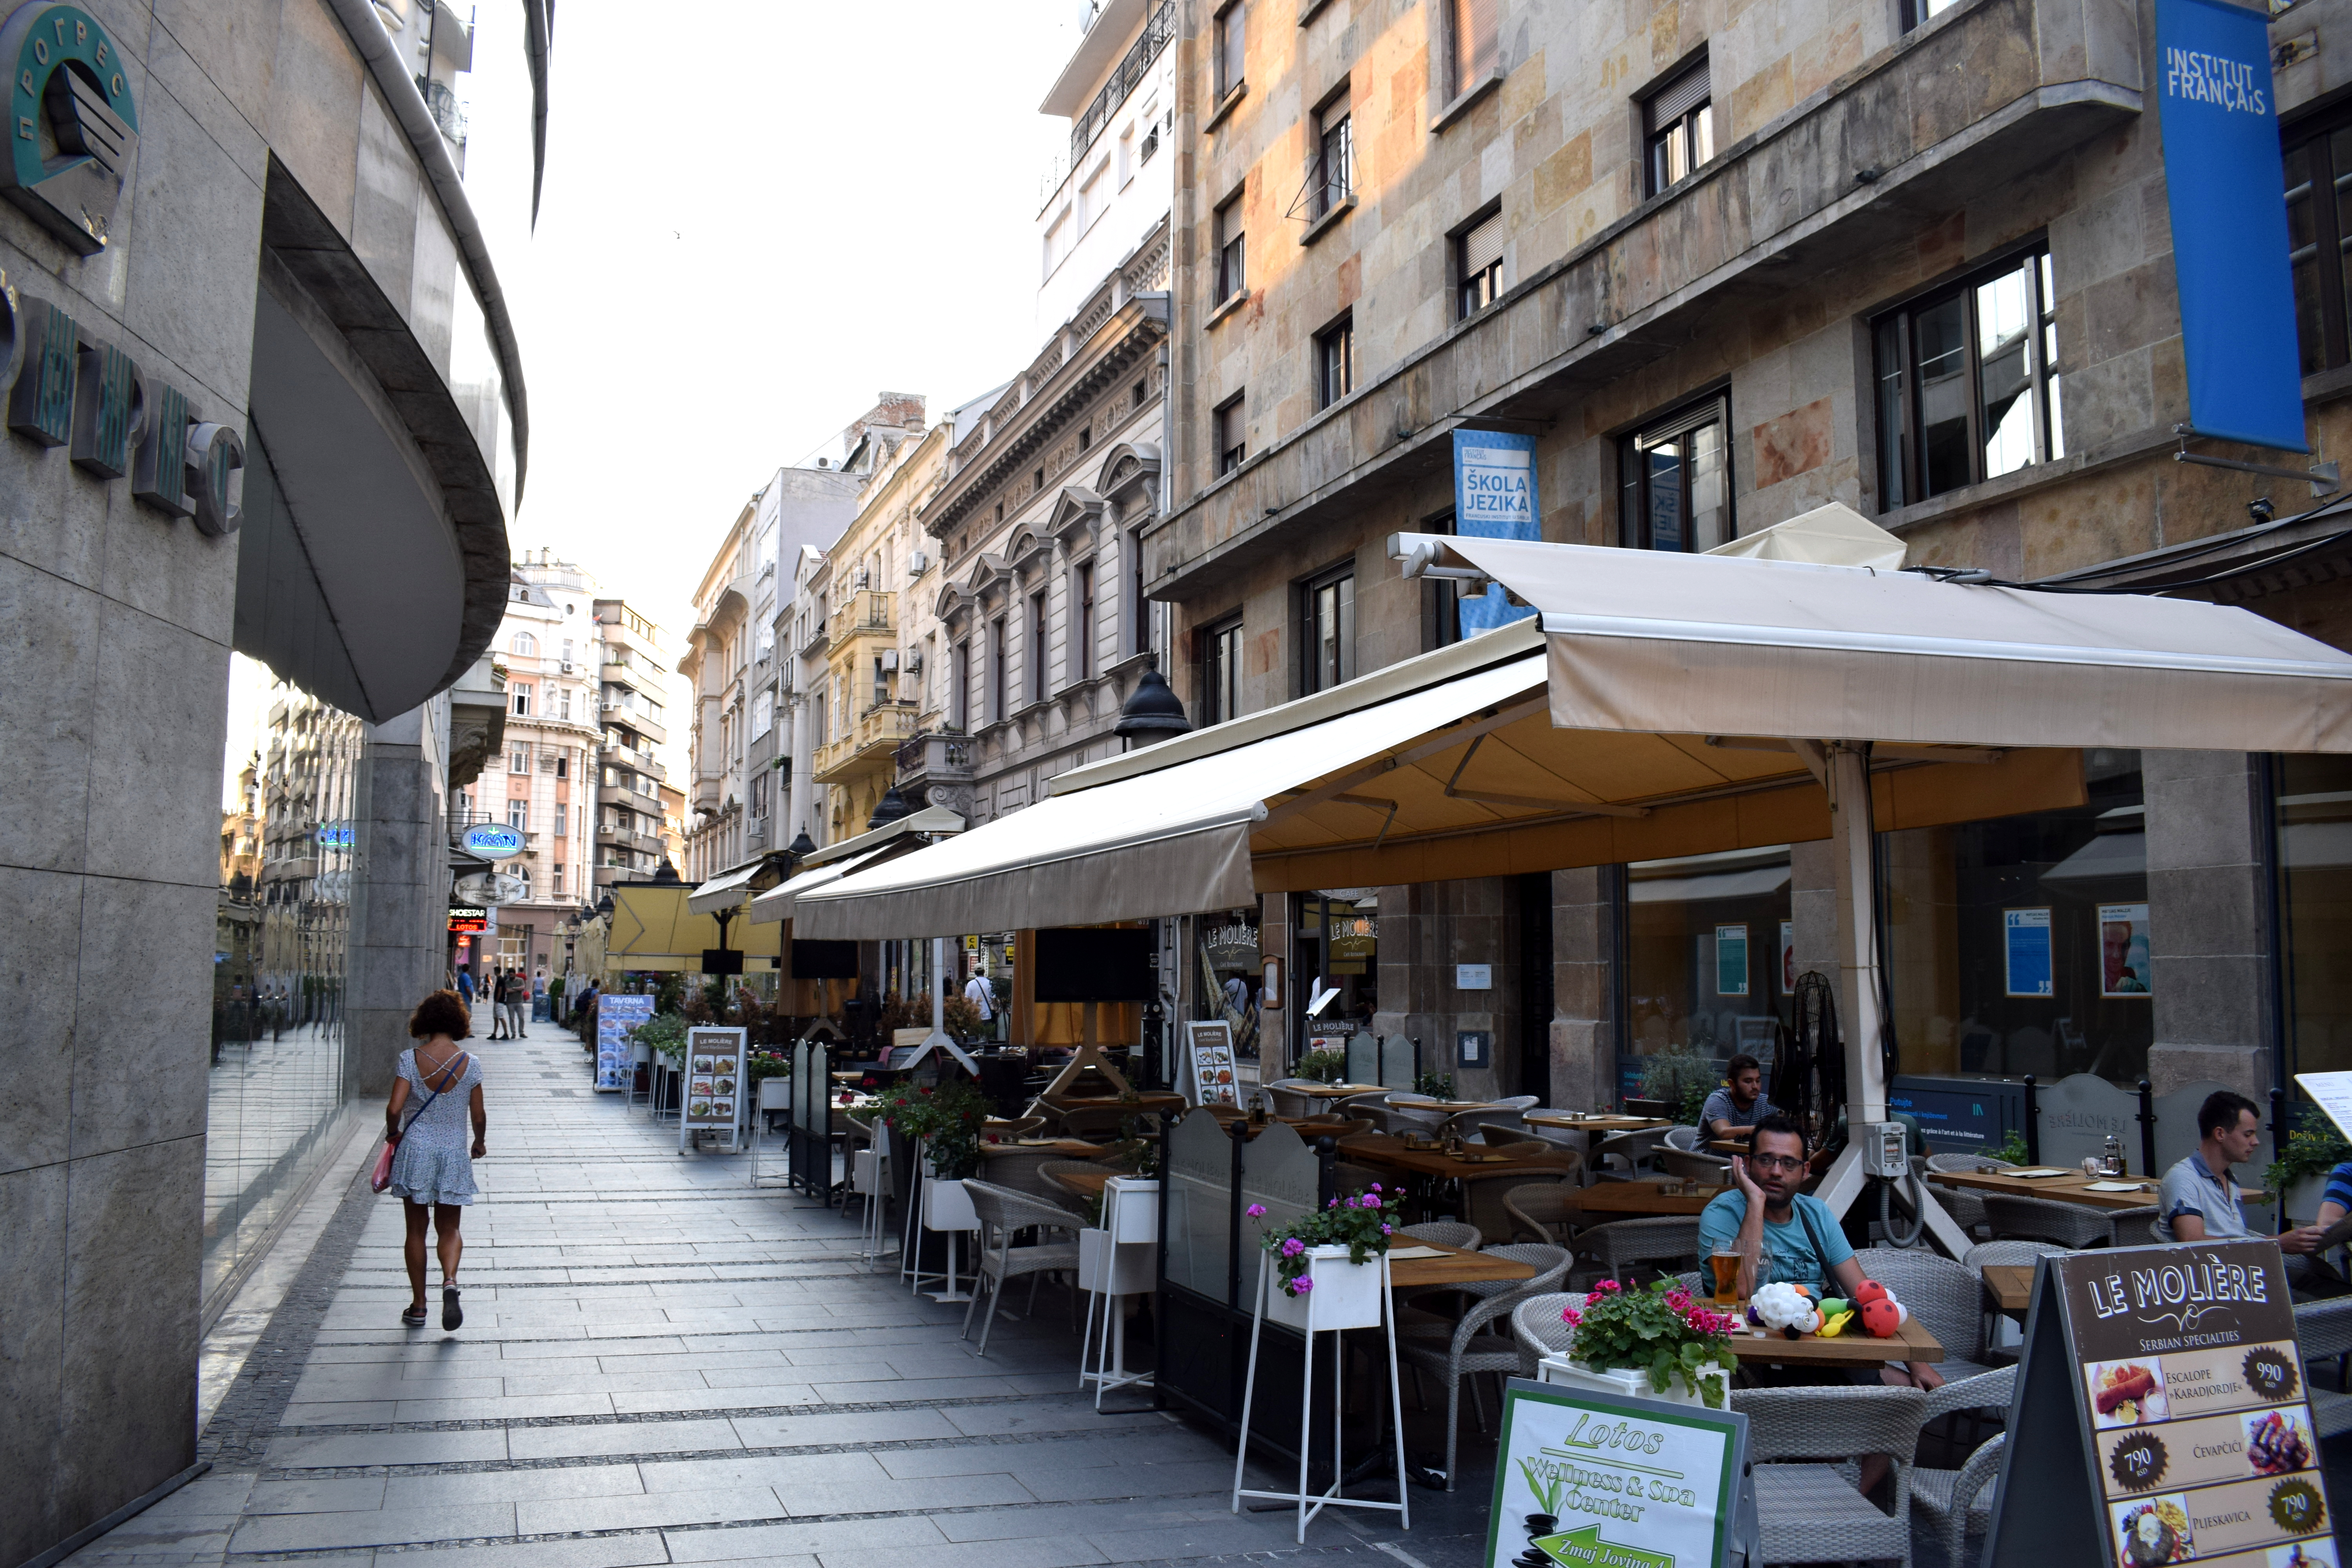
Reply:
x=960, y=687
x=522, y=694
x=1472, y=43
x=1139, y=606
x=1036, y=648
x=1230, y=37
x=1327, y=630
x=1231, y=278
x=1968, y=383
x=1082, y=647
x=518, y=760
x=1335, y=361
x=1677, y=129
x=1229, y=435
x=1221, y=672
x=1478, y=263
x=563, y=702
x=518, y=815
x=563, y=766
x=1441, y=601
x=1916, y=12
x=996, y=651
x=1676, y=479
x=1333, y=174
x=2319, y=229
x=555, y=880
x=1090, y=199
x=562, y=819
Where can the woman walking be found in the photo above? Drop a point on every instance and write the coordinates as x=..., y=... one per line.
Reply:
x=432, y=1169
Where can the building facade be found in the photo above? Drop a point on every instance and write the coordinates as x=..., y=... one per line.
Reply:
x=1726, y=265
x=241, y=573
x=633, y=696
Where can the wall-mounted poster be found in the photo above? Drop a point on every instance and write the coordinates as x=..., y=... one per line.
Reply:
x=715, y=1084
x=1210, y=1049
x=617, y=1017
x=2027, y=947
x=1731, y=961
x=2124, y=966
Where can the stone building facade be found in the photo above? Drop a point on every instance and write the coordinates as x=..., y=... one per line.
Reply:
x=265, y=402
x=1727, y=264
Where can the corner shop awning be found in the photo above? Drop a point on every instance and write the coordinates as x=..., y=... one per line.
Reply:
x=776, y=903
x=727, y=889
x=1658, y=705
x=835, y=861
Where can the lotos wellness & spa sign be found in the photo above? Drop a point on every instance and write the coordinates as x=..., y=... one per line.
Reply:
x=1591, y=1479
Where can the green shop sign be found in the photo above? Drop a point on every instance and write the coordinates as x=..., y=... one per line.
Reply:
x=72, y=126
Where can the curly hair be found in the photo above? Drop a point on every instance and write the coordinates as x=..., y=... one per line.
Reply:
x=441, y=1013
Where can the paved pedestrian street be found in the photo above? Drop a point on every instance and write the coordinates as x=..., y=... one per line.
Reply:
x=661, y=1364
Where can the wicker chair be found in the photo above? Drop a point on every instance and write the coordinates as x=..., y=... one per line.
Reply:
x=1095, y=1123
x=1474, y=1346
x=1986, y=1254
x=2070, y=1226
x=1485, y=1199
x=1535, y=1324
x=2325, y=1328
x=1710, y=1170
x=1619, y=1245
x=1544, y=1211
x=1019, y=1127
x=1353, y=1105
x=1956, y=1500
x=1289, y=1101
x=1622, y=1158
x=1809, y=1511
x=1070, y=1195
x=1446, y=1233
x=1351, y=1179
x=1023, y=1171
x=1001, y=1212
x=1493, y=1126
x=1948, y=1299
x=1682, y=1138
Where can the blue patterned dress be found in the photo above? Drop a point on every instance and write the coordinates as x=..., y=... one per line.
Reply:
x=433, y=1164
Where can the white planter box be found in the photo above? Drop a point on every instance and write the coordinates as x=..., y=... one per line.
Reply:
x=947, y=1206
x=865, y=1175
x=1633, y=1381
x=775, y=1094
x=1345, y=1295
x=1115, y=1268
x=1132, y=1209
x=2302, y=1198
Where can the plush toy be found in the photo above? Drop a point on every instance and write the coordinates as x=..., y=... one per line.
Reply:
x=1786, y=1308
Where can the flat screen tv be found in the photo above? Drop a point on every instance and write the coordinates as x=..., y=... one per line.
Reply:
x=1086, y=964
x=824, y=960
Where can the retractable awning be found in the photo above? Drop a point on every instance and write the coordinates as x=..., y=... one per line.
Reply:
x=829, y=864
x=728, y=888
x=1675, y=710
x=776, y=903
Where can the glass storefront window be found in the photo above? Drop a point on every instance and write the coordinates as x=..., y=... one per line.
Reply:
x=2019, y=945
x=2313, y=815
x=1707, y=946
x=290, y=811
x=1337, y=948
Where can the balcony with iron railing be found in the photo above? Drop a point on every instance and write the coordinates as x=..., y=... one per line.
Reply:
x=870, y=747
x=1158, y=30
x=869, y=612
x=931, y=757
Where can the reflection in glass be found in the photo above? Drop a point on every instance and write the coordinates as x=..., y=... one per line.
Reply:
x=1707, y=948
x=2004, y=372
x=1942, y=361
x=289, y=830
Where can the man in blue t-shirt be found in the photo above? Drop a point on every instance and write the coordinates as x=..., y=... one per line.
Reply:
x=1783, y=1235
x=1732, y=1110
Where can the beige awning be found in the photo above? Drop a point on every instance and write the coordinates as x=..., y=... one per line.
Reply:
x=1648, y=641
x=776, y=903
x=1672, y=710
x=731, y=888
x=835, y=861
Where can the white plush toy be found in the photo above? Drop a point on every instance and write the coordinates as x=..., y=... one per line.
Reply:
x=1783, y=1306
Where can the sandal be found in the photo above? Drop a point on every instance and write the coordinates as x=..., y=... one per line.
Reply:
x=451, y=1314
x=412, y=1317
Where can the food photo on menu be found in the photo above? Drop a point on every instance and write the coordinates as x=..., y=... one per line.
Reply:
x=2303, y=1555
x=702, y=1064
x=697, y=1108
x=701, y=1086
x=2154, y=1532
x=2126, y=1393
x=2277, y=1442
x=722, y=1108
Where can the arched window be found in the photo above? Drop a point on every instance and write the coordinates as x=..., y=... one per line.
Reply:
x=525, y=643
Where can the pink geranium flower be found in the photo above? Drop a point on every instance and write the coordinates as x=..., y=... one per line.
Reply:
x=1256, y=1211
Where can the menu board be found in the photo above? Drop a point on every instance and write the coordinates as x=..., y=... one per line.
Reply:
x=2185, y=1432
x=1210, y=1052
x=1587, y=1478
x=617, y=1018
x=715, y=1084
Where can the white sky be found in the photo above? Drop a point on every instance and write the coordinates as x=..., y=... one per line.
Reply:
x=756, y=215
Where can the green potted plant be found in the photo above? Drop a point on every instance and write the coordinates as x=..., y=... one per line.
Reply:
x=1658, y=1344
x=1326, y=1065
x=1328, y=1263
x=2313, y=1149
x=946, y=1122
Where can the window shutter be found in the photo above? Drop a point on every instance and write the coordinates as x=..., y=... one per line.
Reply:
x=1678, y=97
x=1482, y=247
x=1474, y=42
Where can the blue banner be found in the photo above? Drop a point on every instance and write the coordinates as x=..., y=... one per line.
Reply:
x=1493, y=498
x=2222, y=177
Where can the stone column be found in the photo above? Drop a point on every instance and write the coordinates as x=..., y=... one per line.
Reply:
x=2209, y=921
x=400, y=895
x=1813, y=908
x=1584, y=1024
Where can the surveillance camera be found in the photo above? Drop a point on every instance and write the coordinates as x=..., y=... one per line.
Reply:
x=2261, y=509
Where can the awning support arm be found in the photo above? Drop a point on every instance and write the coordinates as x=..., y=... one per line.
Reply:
x=1335, y=788
x=1483, y=797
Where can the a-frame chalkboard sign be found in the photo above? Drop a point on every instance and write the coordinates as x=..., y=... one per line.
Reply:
x=2161, y=1416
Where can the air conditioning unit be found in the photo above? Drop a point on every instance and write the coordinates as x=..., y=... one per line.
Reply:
x=917, y=563
x=913, y=664
x=864, y=579
x=889, y=661
x=565, y=666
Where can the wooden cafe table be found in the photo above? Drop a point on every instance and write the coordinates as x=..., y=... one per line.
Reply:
x=2071, y=1187
x=1851, y=1348
x=1639, y=1200
x=1383, y=1149
x=1331, y=1091
x=1599, y=1126
x=2008, y=1286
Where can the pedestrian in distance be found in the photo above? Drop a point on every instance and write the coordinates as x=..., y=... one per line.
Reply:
x=495, y=995
x=518, y=1006
x=432, y=1167
x=465, y=985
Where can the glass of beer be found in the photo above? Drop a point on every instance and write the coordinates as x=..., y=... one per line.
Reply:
x=1726, y=1264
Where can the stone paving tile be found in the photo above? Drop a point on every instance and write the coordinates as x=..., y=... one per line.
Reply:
x=748, y=1397
x=533, y=1485
x=293, y=1451
x=848, y=1427
x=1056, y=1552
x=763, y=1541
x=317, y=1497
x=382, y=1527
x=565, y=1442
x=601, y=1551
x=717, y=1505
